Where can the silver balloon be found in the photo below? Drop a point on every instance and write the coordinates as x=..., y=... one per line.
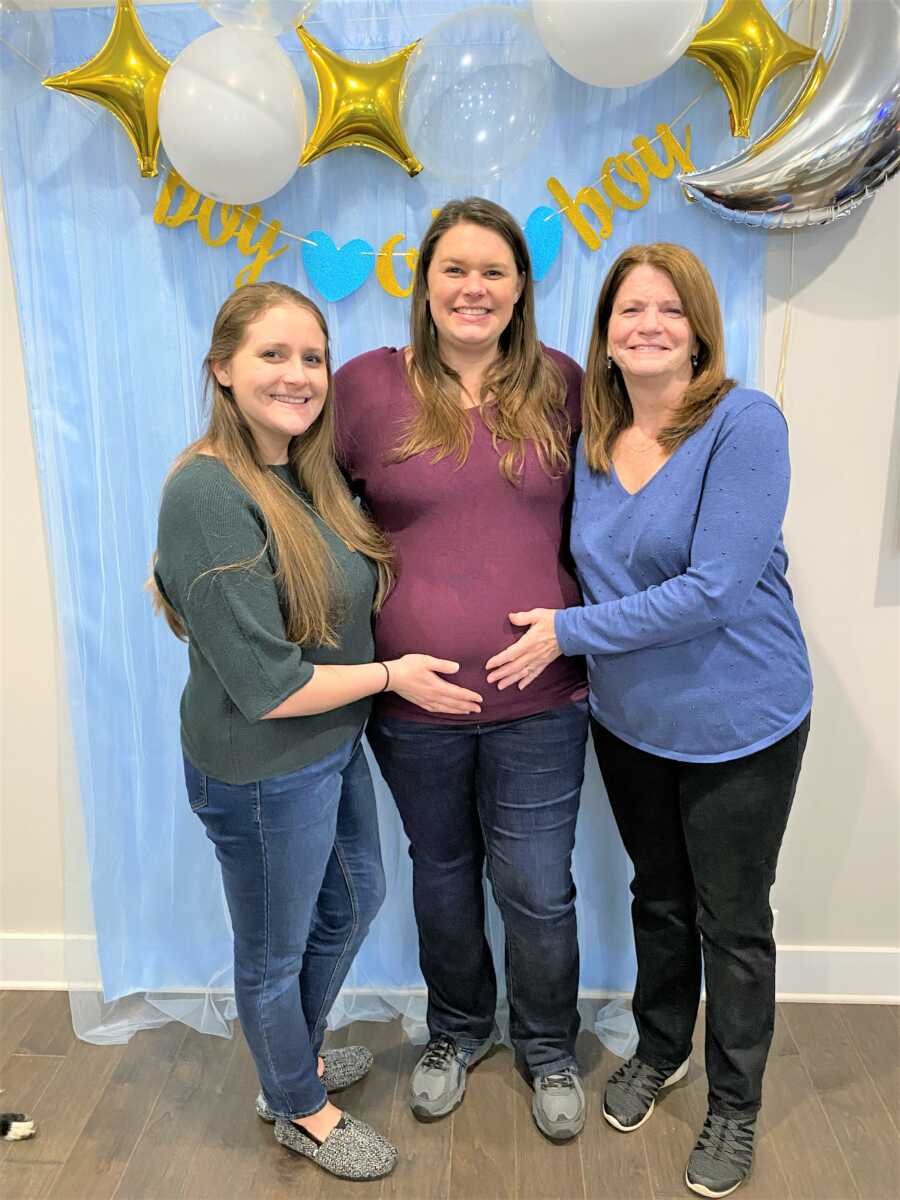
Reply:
x=839, y=144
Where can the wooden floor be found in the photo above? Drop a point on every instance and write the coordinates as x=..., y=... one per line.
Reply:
x=171, y=1115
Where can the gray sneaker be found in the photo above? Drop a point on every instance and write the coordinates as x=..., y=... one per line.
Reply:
x=631, y=1092
x=343, y=1067
x=558, y=1104
x=353, y=1150
x=723, y=1156
x=438, y=1082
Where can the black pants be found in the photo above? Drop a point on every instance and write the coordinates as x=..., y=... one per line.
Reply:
x=704, y=840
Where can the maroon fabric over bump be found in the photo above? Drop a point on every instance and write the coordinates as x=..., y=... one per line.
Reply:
x=470, y=547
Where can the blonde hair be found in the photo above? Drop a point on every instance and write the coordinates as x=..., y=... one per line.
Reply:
x=305, y=571
x=605, y=405
x=525, y=387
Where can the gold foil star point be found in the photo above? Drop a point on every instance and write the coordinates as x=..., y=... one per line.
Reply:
x=746, y=50
x=125, y=76
x=359, y=104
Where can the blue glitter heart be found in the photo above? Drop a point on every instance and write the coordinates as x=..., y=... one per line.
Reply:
x=543, y=233
x=333, y=272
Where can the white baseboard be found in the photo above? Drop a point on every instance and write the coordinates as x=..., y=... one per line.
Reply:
x=812, y=974
x=48, y=961
x=839, y=974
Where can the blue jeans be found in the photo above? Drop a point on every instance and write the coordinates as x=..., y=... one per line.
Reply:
x=301, y=865
x=507, y=792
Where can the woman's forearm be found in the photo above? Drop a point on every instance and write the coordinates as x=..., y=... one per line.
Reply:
x=332, y=687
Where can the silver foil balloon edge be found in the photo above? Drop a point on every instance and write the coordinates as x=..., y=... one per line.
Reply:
x=842, y=146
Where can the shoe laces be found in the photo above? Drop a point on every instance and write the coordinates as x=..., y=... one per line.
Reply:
x=439, y=1052
x=639, y=1077
x=728, y=1139
x=558, y=1079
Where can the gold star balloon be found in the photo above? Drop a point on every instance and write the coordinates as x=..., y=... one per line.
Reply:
x=746, y=50
x=125, y=76
x=359, y=104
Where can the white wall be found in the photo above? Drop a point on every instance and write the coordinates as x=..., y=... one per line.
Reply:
x=837, y=896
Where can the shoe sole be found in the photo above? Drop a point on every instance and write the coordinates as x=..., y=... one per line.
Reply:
x=674, y=1078
x=700, y=1190
x=427, y=1115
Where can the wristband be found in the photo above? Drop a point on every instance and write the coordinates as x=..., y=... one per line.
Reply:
x=387, y=677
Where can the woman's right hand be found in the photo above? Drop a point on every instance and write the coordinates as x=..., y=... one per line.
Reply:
x=418, y=678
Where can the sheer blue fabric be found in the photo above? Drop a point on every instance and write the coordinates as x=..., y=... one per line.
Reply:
x=115, y=314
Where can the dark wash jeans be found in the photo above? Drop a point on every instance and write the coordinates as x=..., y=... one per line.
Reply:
x=301, y=865
x=704, y=840
x=507, y=792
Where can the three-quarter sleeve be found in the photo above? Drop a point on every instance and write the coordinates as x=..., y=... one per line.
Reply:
x=233, y=616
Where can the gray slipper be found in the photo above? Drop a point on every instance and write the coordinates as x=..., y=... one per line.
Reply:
x=353, y=1150
x=343, y=1067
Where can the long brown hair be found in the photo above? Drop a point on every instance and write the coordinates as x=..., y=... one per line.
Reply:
x=605, y=405
x=523, y=393
x=305, y=571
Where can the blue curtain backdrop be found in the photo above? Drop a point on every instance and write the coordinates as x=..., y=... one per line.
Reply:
x=115, y=313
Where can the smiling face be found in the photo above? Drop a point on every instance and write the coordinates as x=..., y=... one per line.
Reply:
x=278, y=377
x=649, y=337
x=473, y=286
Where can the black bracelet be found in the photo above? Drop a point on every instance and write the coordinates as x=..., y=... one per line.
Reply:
x=387, y=677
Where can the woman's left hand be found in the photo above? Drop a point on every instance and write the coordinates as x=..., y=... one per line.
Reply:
x=524, y=660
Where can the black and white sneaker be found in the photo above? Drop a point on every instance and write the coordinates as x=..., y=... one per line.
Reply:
x=631, y=1092
x=723, y=1156
x=353, y=1150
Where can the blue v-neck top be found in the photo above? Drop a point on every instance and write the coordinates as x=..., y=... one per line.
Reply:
x=695, y=650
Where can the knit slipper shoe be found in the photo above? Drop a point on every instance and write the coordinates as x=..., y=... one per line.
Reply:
x=343, y=1067
x=353, y=1150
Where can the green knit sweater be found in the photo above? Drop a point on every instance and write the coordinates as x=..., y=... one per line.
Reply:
x=241, y=662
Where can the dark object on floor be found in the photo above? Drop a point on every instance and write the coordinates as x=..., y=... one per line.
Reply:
x=14, y=1127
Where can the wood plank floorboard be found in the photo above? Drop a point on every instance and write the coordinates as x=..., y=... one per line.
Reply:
x=853, y=1108
x=875, y=1029
x=170, y=1116
x=426, y=1150
x=795, y=1121
x=483, y=1166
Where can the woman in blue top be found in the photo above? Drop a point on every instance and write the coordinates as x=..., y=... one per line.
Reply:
x=700, y=682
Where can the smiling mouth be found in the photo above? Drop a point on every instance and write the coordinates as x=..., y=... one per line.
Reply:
x=645, y=349
x=472, y=311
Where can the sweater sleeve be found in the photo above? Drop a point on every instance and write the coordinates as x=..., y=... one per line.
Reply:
x=738, y=524
x=233, y=616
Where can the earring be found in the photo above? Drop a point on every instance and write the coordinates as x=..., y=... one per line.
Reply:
x=609, y=362
x=694, y=360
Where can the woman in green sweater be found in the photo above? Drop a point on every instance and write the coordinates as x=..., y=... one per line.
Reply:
x=270, y=572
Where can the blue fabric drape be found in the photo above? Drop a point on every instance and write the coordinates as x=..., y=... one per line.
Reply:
x=115, y=313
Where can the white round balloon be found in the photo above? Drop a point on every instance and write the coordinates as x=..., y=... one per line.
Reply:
x=617, y=43
x=263, y=16
x=477, y=94
x=232, y=116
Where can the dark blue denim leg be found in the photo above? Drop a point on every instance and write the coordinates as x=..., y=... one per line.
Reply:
x=431, y=773
x=529, y=783
x=274, y=840
x=734, y=817
x=351, y=894
x=644, y=797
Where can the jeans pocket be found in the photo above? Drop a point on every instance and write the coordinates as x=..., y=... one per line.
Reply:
x=195, y=781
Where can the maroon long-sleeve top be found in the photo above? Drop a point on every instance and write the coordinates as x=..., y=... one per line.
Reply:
x=470, y=547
